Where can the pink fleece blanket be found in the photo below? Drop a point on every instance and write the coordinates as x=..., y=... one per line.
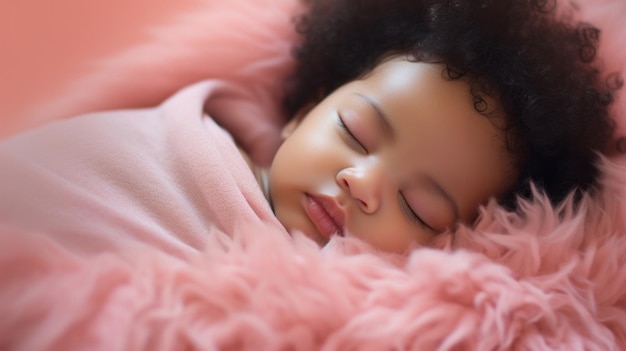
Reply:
x=159, y=271
x=164, y=177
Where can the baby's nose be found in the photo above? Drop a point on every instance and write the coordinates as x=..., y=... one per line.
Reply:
x=364, y=185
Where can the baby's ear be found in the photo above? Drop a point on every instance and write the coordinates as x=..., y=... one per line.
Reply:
x=295, y=121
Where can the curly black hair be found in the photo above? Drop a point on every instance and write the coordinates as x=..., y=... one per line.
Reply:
x=541, y=67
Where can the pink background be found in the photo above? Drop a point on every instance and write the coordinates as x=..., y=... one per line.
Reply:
x=44, y=45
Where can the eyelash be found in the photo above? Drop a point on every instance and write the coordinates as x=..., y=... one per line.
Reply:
x=411, y=214
x=347, y=131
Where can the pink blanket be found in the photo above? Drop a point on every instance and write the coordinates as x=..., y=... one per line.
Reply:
x=159, y=271
x=163, y=177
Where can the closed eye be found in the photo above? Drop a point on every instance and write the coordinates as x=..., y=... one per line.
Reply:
x=354, y=140
x=411, y=215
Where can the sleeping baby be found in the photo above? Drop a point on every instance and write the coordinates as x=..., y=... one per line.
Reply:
x=407, y=117
x=417, y=121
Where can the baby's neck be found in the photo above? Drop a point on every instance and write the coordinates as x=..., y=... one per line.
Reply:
x=260, y=174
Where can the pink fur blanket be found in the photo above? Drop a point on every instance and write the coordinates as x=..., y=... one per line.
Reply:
x=546, y=279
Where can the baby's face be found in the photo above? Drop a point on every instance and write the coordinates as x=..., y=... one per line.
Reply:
x=393, y=159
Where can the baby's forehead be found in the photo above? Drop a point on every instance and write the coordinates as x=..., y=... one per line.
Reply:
x=438, y=124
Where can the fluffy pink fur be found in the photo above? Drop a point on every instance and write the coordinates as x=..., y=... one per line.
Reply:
x=548, y=279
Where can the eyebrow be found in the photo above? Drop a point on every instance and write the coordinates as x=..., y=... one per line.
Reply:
x=383, y=118
x=444, y=194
